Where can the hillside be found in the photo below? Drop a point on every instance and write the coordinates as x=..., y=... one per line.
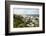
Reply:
x=25, y=21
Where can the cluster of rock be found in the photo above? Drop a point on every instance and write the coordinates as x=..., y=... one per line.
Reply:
x=33, y=21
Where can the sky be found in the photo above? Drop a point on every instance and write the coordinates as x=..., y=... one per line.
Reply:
x=25, y=11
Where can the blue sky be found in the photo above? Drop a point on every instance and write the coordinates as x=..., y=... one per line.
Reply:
x=26, y=11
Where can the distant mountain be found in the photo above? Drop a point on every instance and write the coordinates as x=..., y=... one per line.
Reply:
x=25, y=15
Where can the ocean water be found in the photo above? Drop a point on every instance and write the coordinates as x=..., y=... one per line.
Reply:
x=30, y=15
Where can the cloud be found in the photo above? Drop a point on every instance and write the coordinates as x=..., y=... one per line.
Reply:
x=26, y=11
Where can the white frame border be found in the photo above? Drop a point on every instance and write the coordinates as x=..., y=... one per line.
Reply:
x=28, y=28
